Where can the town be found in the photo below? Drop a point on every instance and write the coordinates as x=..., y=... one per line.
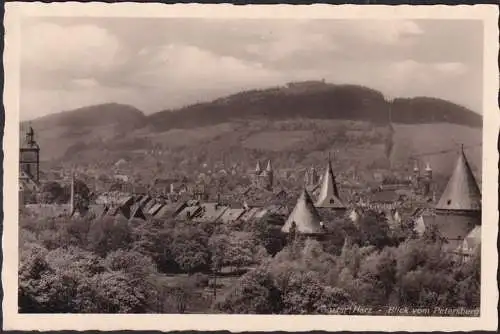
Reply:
x=281, y=210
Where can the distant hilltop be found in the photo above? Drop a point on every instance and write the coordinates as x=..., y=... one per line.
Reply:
x=307, y=120
x=307, y=99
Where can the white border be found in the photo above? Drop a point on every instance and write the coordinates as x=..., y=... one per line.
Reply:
x=14, y=12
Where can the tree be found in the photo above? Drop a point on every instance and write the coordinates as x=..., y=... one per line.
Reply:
x=107, y=234
x=254, y=293
x=190, y=249
x=51, y=192
x=374, y=230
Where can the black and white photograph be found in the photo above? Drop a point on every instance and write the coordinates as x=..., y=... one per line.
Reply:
x=195, y=165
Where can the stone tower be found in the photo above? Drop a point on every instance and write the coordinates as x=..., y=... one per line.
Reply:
x=304, y=217
x=458, y=210
x=29, y=157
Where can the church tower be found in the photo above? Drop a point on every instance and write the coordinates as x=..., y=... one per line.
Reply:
x=416, y=176
x=29, y=157
x=311, y=177
x=268, y=176
x=329, y=194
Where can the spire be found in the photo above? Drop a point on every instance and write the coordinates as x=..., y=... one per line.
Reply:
x=415, y=167
x=329, y=194
x=269, y=167
x=30, y=136
x=462, y=191
x=258, y=169
x=305, y=216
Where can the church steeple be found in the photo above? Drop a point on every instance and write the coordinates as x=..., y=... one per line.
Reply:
x=329, y=194
x=269, y=167
x=258, y=169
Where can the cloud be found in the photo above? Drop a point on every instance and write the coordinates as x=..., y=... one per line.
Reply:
x=189, y=66
x=388, y=32
x=80, y=49
x=452, y=68
x=85, y=83
x=158, y=64
x=292, y=44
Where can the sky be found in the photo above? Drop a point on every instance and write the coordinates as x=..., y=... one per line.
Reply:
x=164, y=63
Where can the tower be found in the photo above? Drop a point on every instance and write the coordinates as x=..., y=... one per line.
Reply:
x=304, y=218
x=256, y=175
x=427, y=184
x=258, y=169
x=329, y=194
x=29, y=157
x=458, y=210
x=416, y=176
x=311, y=177
x=268, y=176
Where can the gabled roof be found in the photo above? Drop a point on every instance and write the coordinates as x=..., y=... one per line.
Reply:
x=189, y=212
x=231, y=215
x=462, y=191
x=305, y=217
x=167, y=211
x=154, y=209
x=249, y=214
x=210, y=212
x=472, y=241
x=329, y=194
x=136, y=212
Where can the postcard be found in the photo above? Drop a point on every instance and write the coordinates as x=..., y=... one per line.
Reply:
x=250, y=168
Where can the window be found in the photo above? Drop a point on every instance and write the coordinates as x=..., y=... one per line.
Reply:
x=332, y=201
x=448, y=202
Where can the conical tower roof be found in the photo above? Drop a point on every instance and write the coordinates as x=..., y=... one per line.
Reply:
x=269, y=167
x=329, y=194
x=258, y=169
x=462, y=191
x=305, y=216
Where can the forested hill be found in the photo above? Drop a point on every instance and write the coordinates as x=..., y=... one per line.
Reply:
x=317, y=100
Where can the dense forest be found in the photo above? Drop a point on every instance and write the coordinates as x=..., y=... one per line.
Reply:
x=109, y=265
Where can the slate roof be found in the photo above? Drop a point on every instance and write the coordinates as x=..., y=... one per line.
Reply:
x=462, y=191
x=329, y=194
x=249, y=214
x=231, y=215
x=210, y=212
x=305, y=216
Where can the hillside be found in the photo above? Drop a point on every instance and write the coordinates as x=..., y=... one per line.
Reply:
x=58, y=132
x=317, y=100
x=307, y=120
